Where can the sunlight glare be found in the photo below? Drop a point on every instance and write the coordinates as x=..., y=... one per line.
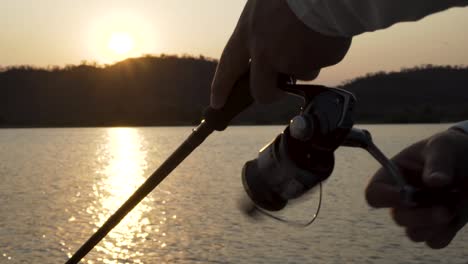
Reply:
x=119, y=35
x=120, y=177
x=121, y=43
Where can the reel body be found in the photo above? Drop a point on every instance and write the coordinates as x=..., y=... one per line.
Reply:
x=302, y=156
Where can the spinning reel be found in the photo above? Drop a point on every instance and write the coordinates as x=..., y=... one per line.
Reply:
x=302, y=156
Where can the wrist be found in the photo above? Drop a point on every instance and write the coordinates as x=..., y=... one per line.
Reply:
x=461, y=126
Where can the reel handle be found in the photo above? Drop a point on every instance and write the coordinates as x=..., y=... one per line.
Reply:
x=413, y=196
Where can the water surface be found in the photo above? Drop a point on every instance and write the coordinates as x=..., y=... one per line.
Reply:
x=57, y=186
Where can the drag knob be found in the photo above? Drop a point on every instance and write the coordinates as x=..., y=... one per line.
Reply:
x=301, y=128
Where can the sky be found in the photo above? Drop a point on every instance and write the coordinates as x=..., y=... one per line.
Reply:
x=61, y=32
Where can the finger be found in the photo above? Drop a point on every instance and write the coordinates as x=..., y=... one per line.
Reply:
x=234, y=62
x=422, y=217
x=444, y=235
x=264, y=82
x=307, y=76
x=380, y=195
x=441, y=238
x=439, y=162
x=420, y=234
x=382, y=190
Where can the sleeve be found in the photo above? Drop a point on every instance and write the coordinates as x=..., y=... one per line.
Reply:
x=347, y=18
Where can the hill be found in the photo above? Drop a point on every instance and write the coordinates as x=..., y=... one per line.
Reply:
x=171, y=90
x=421, y=94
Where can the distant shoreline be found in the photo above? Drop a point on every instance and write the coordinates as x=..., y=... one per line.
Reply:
x=174, y=91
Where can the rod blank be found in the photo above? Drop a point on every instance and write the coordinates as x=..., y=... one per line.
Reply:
x=192, y=142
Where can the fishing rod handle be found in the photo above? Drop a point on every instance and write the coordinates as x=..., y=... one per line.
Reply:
x=238, y=100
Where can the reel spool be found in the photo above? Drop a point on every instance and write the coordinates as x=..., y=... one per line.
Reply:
x=302, y=156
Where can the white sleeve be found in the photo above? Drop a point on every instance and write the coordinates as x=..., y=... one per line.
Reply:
x=347, y=18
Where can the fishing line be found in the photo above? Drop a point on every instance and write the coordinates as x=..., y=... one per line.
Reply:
x=294, y=223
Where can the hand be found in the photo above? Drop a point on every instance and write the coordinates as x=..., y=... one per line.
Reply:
x=437, y=162
x=273, y=40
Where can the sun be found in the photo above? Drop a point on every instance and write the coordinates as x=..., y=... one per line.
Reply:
x=121, y=43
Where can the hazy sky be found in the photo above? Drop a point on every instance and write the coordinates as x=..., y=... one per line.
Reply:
x=59, y=32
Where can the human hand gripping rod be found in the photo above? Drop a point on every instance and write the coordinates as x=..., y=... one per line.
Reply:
x=214, y=119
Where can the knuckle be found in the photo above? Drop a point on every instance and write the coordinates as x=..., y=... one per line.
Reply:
x=443, y=140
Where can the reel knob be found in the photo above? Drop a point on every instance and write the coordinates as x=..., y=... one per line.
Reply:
x=301, y=128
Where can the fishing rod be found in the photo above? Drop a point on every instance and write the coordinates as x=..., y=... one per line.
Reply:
x=299, y=159
x=213, y=120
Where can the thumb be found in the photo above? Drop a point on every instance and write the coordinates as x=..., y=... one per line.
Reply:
x=439, y=163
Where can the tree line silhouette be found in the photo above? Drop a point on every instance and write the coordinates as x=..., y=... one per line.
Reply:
x=423, y=94
x=173, y=90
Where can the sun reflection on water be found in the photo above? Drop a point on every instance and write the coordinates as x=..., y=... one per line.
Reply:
x=123, y=172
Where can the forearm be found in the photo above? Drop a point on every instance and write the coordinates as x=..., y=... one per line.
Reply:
x=348, y=18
